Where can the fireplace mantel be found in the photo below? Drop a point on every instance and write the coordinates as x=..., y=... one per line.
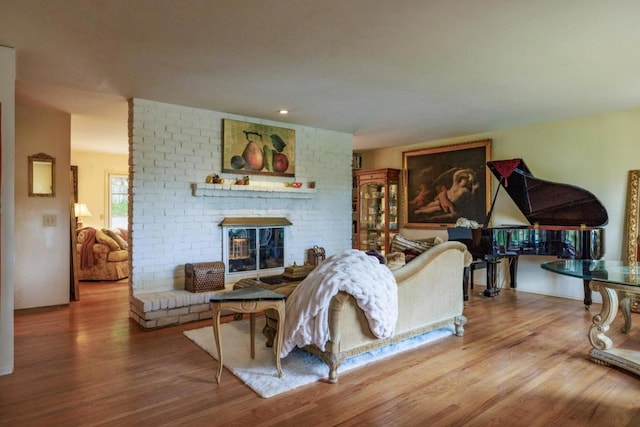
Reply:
x=255, y=222
x=253, y=190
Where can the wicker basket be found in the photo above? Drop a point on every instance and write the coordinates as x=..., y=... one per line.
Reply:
x=204, y=276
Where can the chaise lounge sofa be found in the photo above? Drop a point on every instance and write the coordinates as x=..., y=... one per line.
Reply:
x=430, y=296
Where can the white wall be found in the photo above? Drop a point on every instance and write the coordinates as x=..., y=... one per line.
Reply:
x=93, y=190
x=594, y=153
x=7, y=123
x=174, y=146
x=42, y=262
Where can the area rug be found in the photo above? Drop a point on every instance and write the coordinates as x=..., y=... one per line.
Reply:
x=299, y=367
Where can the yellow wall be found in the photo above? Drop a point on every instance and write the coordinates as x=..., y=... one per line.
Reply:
x=595, y=153
x=93, y=169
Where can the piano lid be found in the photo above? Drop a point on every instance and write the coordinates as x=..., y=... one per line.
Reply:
x=548, y=203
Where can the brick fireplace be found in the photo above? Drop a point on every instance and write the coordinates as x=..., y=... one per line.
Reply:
x=176, y=216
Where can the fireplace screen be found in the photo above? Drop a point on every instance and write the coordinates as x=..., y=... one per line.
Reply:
x=254, y=249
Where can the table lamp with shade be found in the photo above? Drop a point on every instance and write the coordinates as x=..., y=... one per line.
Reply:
x=80, y=211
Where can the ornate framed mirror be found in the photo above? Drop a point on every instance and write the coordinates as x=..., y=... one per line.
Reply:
x=631, y=230
x=42, y=172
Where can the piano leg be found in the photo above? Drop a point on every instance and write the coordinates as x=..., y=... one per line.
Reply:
x=513, y=270
x=465, y=284
x=587, y=294
x=492, y=273
x=492, y=288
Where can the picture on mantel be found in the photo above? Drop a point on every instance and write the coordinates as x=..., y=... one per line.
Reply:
x=252, y=148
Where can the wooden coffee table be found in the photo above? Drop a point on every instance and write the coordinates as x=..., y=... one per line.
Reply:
x=252, y=300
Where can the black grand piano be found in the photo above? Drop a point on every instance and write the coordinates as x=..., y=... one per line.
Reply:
x=566, y=221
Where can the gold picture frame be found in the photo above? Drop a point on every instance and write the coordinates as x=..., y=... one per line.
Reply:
x=632, y=219
x=41, y=168
x=252, y=148
x=445, y=183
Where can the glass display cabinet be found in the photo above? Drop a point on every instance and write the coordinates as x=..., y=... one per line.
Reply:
x=377, y=206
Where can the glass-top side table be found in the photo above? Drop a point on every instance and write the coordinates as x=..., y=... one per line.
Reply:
x=250, y=300
x=617, y=283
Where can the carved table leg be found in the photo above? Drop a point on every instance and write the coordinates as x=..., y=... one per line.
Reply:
x=251, y=306
x=625, y=307
x=216, y=337
x=278, y=310
x=601, y=321
x=603, y=351
x=252, y=332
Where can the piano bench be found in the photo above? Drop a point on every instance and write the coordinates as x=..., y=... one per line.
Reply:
x=468, y=276
x=476, y=265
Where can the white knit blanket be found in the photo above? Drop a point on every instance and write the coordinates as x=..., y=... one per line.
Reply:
x=371, y=284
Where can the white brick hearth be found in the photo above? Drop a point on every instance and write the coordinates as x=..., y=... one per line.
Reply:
x=153, y=310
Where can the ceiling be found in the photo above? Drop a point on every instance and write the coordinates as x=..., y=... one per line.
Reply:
x=390, y=72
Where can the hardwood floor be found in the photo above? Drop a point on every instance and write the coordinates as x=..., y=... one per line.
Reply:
x=522, y=362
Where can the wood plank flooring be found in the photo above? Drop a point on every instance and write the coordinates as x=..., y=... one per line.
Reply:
x=522, y=362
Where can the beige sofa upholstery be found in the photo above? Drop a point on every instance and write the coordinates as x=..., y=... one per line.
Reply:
x=106, y=254
x=430, y=296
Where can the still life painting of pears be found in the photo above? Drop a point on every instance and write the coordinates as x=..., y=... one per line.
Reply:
x=260, y=150
x=257, y=155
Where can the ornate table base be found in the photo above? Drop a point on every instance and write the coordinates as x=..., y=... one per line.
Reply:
x=625, y=359
x=603, y=351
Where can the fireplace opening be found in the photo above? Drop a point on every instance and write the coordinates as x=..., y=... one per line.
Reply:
x=253, y=246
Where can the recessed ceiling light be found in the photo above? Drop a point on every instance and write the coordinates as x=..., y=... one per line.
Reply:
x=283, y=111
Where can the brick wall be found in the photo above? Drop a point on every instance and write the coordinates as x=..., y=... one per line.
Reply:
x=173, y=146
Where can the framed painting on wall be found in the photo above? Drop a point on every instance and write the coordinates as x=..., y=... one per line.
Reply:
x=443, y=184
x=252, y=148
x=632, y=234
